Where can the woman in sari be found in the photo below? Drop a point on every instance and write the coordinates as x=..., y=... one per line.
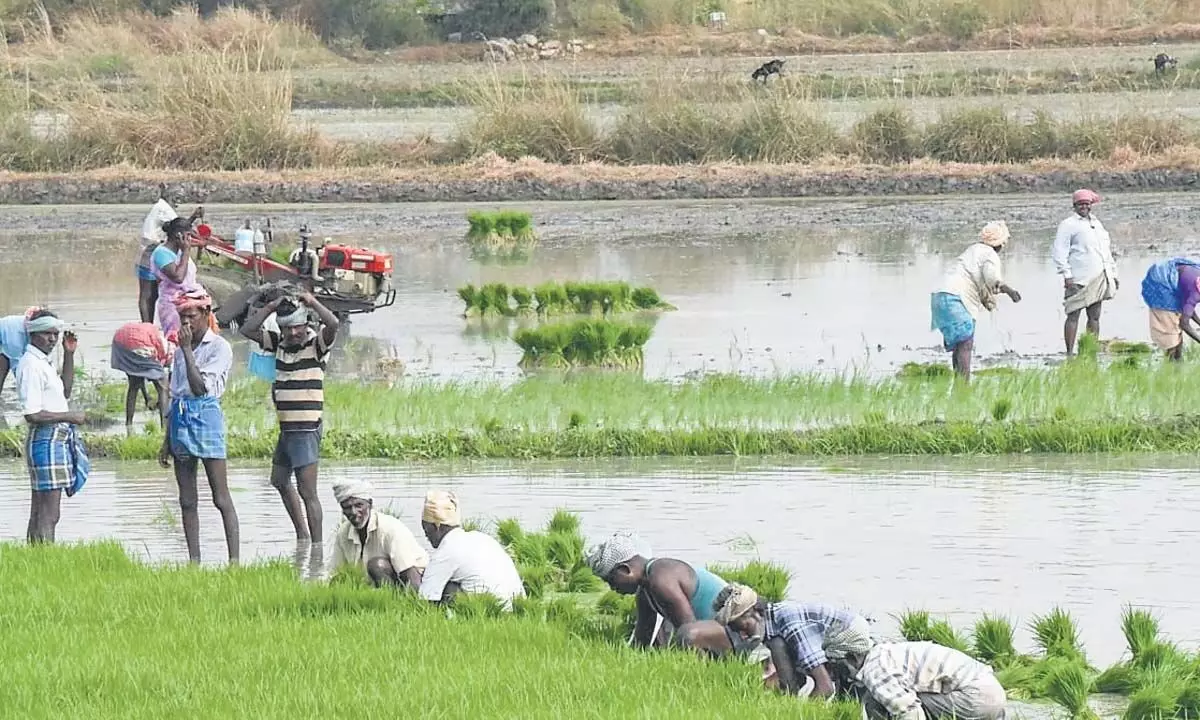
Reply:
x=172, y=264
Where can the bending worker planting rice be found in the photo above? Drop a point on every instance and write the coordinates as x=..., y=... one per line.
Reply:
x=1083, y=256
x=969, y=288
x=13, y=340
x=919, y=680
x=812, y=634
x=299, y=395
x=380, y=543
x=1171, y=289
x=670, y=593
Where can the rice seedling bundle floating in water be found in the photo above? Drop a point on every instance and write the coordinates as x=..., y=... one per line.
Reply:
x=596, y=298
x=488, y=301
x=596, y=343
x=504, y=234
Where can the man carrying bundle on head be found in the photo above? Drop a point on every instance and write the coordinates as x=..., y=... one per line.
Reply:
x=380, y=543
x=466, y=561
x=54, y=453
x=812, y=634
x=678, y=593
x=299, y=395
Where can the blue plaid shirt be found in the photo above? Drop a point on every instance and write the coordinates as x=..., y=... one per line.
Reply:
x=803, y=627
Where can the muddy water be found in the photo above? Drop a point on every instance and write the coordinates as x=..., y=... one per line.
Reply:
x=959, y=537
x=442, y=123
x=761, y=287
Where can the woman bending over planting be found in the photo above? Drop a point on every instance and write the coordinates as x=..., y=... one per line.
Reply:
x=1171, y=289
x=969, y=288
x=674, y=599
x=195, y=423
x=380, y=544
x=812, y=635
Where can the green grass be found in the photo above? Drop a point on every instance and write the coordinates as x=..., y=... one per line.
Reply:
x=89, y=633
x=1081, y=407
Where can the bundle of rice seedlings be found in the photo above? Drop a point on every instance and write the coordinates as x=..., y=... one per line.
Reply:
x=1057, y=636
x=501, y=231
x=1187, y=705
x=992, y=641
x=1069, y=684
x=914, y=625
x=923, y=371
x=529, y=606
x=1020, y=680
x=471, y=298
x=585, y=343
x=508, y=531
x=582, y=580
x=944, y=634
x=565, y=550
x=530, y=549
x=564, y=521
x=537, y=579
x=768, y=579
x=477, y=605
x=614, y=603
x=523, y=297
x=1120, y=679
x=645, y=298
x=1157, y=698
x=552, y=299
x=1140, y=629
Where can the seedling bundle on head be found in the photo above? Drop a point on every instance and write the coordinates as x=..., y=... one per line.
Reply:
x=597, y=343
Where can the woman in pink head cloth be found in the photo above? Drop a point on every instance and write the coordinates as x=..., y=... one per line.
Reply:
x=1082, y=254
x=172, y=264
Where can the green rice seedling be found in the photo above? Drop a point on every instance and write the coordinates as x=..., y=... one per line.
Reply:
x=581, y=579
x=583, y=343
x=943, y=633
x=1157, y=698
x=922, y=371
x=1119, y=679
x=564, y=521
x=530, y=549
x=1187, y=705
x=1140, y=629
x=529, y=607
x=552, y=299
x=508, y=531
x=1057, y=636
x=614, y=603
x=646, y=298
x=1089, y=346
x=1161, y=656
x=565, y=550
x=915, y=625
x=523, y=297
x=476, y=605
x=1020, y=680
x=1001, y=408
x=769, y=580
x=1128, y=347
x=538, y=579
x=1069, y=685
x=992, y=641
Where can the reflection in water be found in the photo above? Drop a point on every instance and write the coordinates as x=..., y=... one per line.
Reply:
x=954, y=536
x=761, y=287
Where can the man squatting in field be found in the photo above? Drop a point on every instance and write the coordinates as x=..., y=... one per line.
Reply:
x=298, y=392
x=668, y=591
x=381, y=544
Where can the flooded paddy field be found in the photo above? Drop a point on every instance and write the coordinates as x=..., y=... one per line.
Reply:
x=762, y=287
x=1010, y=536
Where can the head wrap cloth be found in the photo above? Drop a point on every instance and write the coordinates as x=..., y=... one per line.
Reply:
x=360, y=489
x=45, y=323
x=299, y=317
x=441, y=508
x=197, y=297
x=621, y=547
x=994, y=234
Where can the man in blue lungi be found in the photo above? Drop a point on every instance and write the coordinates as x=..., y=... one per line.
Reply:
x=53, y=452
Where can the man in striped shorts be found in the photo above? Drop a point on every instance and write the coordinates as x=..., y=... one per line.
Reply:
x=299, y=395
x=811, y=634
x=926, y=681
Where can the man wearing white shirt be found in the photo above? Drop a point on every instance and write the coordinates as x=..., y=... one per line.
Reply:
x=1082, y=254
x=465, y=561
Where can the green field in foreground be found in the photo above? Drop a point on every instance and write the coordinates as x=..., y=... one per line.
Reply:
x=88, y=633
x=1130, y=405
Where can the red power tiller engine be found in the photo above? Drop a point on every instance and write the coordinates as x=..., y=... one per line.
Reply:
x=344, y=269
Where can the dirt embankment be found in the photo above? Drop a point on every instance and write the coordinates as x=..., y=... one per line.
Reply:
x=498, y=181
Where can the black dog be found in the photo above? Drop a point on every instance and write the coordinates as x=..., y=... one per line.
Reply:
x=1161, y=61
x=769, y=68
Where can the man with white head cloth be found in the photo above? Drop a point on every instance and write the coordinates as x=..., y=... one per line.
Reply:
x=381, y=544
x=54, y=453
x=300, y=353
x=970, y=287
x=465, y=561
x=680, y=594
x=812, y=634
